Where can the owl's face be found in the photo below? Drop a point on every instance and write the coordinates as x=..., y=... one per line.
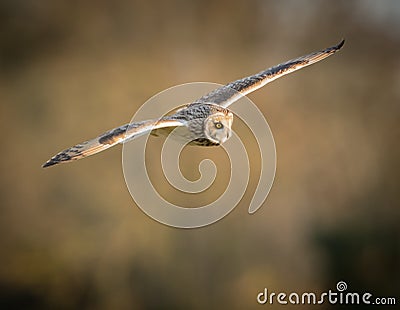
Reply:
x=217, y=127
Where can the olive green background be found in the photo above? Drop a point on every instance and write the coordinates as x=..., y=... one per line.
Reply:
x=72, y=237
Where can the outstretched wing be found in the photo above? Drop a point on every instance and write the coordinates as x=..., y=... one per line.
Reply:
x=109, y=139
x=233, y=91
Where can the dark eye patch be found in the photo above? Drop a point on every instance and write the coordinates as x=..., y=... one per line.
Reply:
x=218, y=125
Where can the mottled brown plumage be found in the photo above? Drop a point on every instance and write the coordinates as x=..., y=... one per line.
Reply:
x=205, y=122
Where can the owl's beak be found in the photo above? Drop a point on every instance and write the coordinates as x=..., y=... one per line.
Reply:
x=228, y=135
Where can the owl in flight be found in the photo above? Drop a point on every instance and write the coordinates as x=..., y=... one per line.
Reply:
x=207, y=121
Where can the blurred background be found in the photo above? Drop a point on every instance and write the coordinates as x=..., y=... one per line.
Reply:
x=72, y=237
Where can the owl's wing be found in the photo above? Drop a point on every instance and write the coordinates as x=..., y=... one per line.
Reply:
x=233, y=91
x=111, y=138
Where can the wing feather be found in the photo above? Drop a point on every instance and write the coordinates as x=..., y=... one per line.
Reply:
x=233, y=91
x=109, y=139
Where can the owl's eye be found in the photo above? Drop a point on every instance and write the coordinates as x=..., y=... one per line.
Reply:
x=218, y=125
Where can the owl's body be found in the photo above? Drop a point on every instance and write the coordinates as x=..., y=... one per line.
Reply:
x=205, y=122
x=195, y=129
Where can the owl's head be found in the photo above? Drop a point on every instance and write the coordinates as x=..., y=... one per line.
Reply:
x=217, y=127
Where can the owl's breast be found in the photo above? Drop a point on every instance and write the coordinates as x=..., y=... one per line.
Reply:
x=203, y=142
x=184, y=134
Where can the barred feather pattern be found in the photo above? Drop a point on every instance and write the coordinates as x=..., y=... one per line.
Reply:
x=196, y=118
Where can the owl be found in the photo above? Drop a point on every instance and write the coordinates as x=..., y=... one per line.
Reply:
x=205, y=122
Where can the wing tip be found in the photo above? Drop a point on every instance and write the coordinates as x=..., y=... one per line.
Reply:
x=340, y=45
x=57, y=159
x=333, y=49
x=337, y=47
x=50, y=162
